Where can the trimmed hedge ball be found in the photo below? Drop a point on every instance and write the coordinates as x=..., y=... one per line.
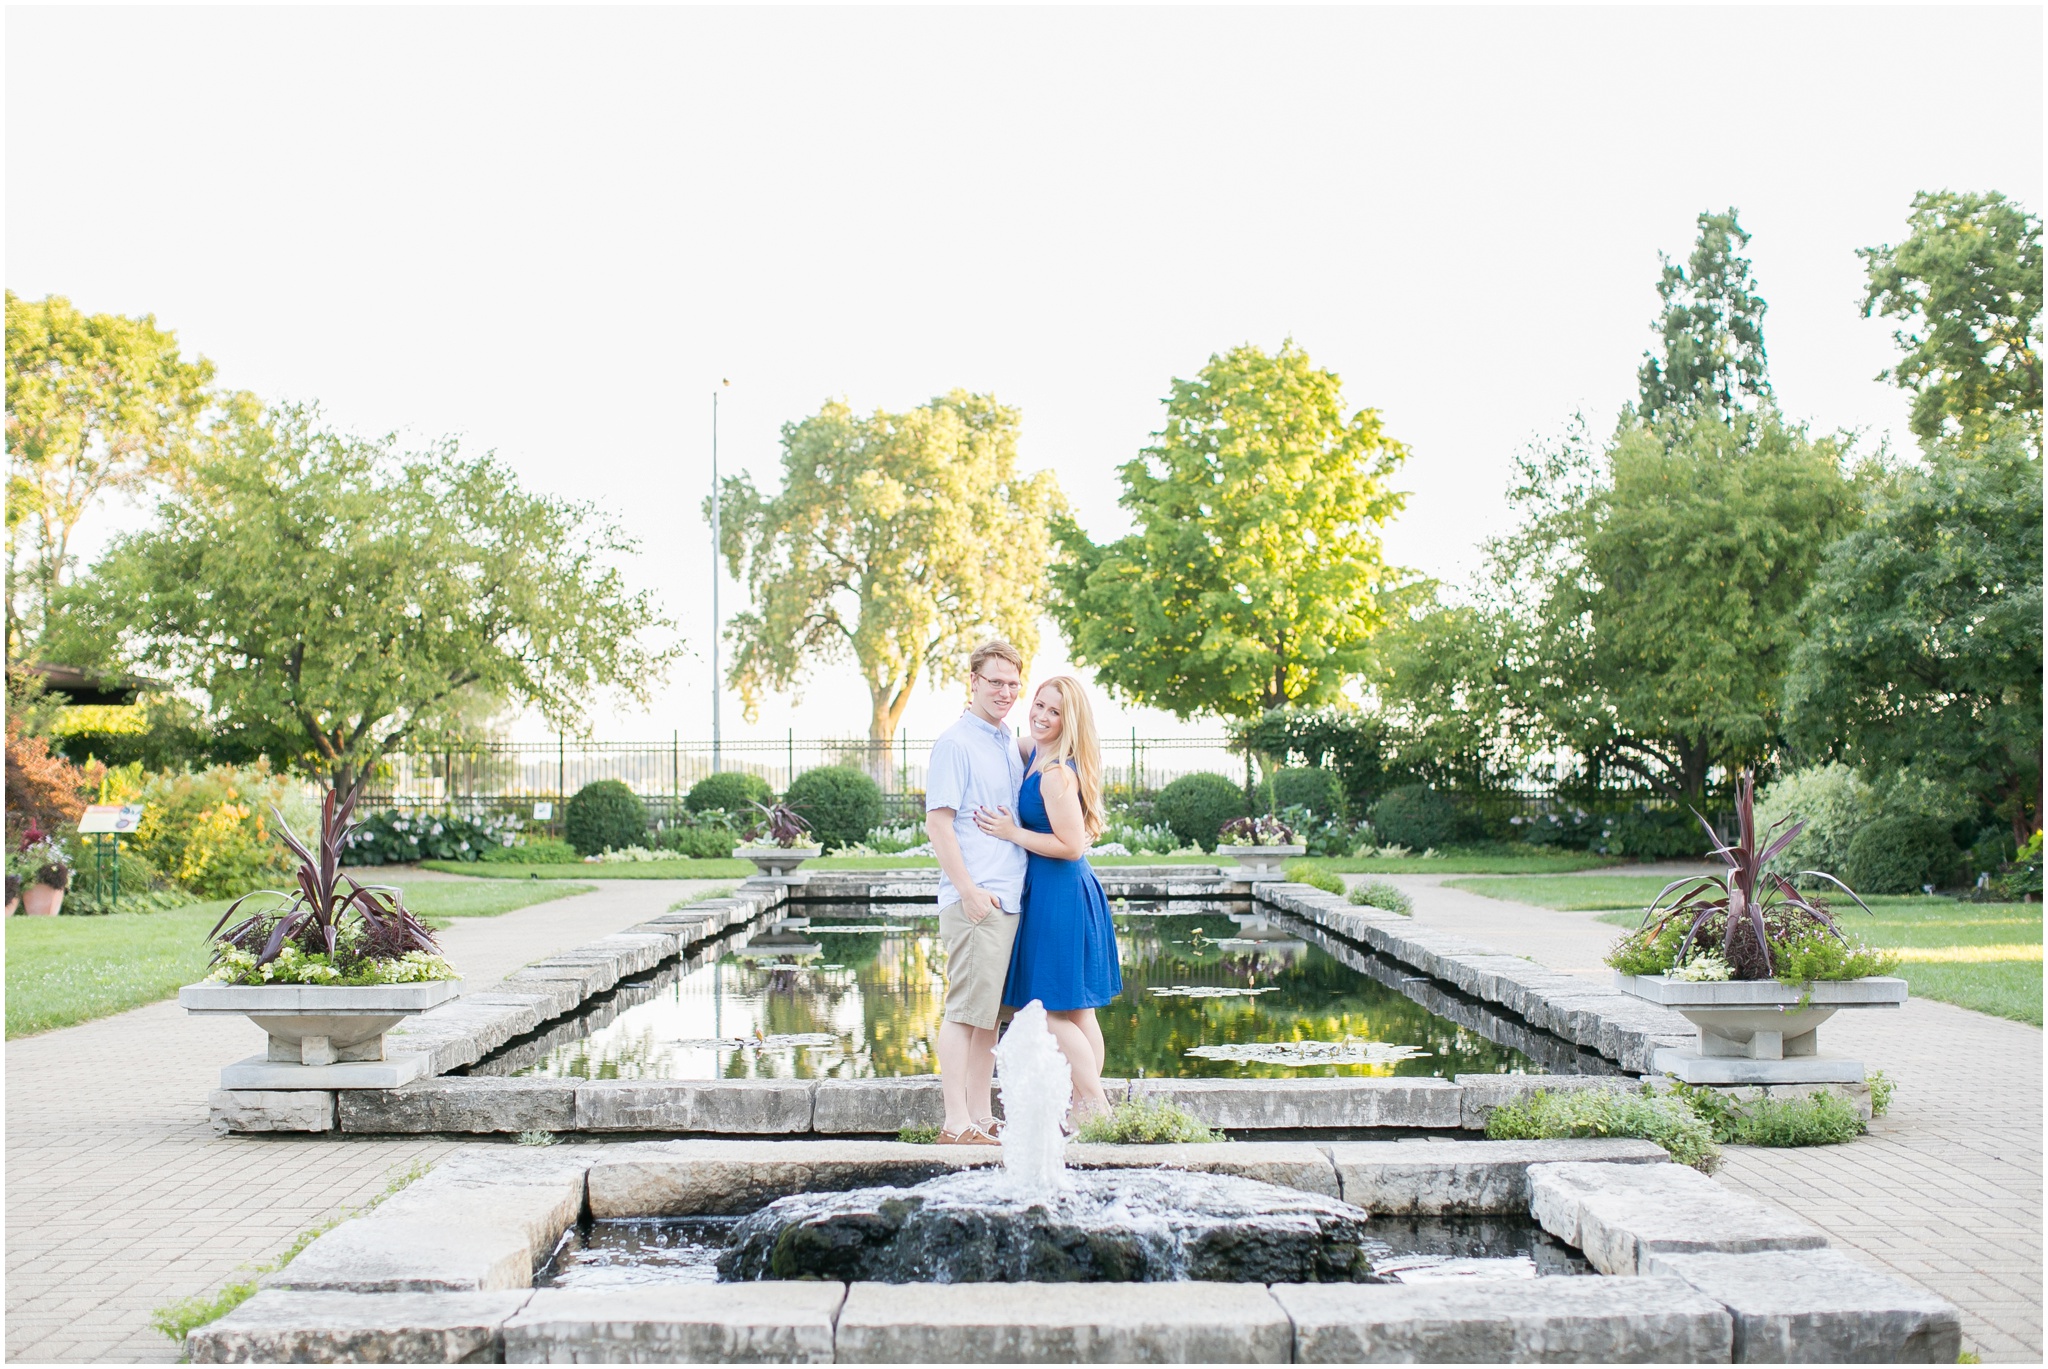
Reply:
x=605, y=815
x=730, y=791
x=1197, y=806
x=842, y=804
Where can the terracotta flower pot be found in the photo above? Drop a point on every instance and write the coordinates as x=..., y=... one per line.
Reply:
x=41, y=900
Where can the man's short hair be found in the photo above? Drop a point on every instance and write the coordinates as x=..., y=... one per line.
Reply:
x=998, y=649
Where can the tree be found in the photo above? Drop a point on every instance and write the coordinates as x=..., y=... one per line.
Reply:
x=1647, y=608
x=1713, y=331
x=96, y=403
x=1254, y=579
x=1967, y=282
x=900, y=540
x=1923, y=630
x=338, y=600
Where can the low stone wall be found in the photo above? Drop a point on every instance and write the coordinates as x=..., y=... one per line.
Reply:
x=1690, y=1272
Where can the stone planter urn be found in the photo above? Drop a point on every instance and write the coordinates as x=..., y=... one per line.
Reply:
x=778, y=864
x=13, y=893
x=322, y=1036
x=1759, y=1031
x=1260, y=863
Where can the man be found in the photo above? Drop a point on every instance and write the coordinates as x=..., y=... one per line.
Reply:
x=974, y=765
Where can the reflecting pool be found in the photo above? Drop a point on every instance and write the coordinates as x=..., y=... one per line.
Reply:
x=846, y=992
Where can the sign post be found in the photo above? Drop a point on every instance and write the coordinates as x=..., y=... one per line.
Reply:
x=104, y=823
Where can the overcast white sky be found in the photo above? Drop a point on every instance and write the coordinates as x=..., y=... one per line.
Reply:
x=553, y=232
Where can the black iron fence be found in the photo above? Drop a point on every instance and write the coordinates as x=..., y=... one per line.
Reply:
x=528, y=778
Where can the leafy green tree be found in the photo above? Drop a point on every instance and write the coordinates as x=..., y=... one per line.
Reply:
x=900, y=540
x=1967, y=283
x=338, y=600
x=1923, y=630
x=97, y=404
x=1712, y=329
x=1646, y=611
x=1255, y=577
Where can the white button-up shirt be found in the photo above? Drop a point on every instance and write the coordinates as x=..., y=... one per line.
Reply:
x=974, y=765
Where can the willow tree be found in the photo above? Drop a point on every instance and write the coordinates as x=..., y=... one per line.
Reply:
x=1254, y=579
x=898, y=540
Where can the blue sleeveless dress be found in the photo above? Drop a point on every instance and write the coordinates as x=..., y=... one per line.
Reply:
x=1065, y=953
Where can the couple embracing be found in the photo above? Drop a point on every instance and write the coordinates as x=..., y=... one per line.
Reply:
x=1023, y=917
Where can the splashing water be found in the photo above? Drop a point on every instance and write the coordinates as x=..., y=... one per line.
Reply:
x=1037, y=1086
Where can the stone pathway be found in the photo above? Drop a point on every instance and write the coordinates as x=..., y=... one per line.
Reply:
x=1946, y=1188
x=121, y=1199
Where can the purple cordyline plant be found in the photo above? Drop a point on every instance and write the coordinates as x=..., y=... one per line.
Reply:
x=324, y=897
x=1752, y=902
x=780, y=824
x=1259, y=831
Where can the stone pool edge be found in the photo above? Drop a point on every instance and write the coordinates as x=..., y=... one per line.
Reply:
x=1623, y=1032
x=1690, y=1271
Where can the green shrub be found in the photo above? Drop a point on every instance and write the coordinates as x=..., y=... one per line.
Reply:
x=1881, y=1089
x=730, y=790
x=1832, y=800
x=1310, y=787
x=1315, y=876
x=840, y=802
x=143, y=887
x=912, y=1134
x=1414, y=816
x=212, y=833
x=710, y=842
x=1667, y=1119
x=1377, y=893
x=1197, y=806
x=604, y=816
x=389, y=837
x=1897, y=855
x=533, y=851
x=1647, y=832
x=1146, y=1122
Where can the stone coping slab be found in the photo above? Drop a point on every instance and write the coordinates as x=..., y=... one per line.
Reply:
x=326, y=1000
x=280, y=1326
x=1873, y=991
x=1441, y=1178
x=723, y=1323
x=1619, y=1216
x=1820, y=1307
x=724, y=1178
x=1065, y=1323
x=1538, y=1321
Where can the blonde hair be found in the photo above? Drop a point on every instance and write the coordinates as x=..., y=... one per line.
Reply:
x=998, y=649
x=1079, y=743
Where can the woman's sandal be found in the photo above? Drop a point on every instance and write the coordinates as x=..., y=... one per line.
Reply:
x=969, y=1135
x=992, y=1125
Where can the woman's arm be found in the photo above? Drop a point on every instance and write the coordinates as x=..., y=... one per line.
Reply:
x=1068, y=839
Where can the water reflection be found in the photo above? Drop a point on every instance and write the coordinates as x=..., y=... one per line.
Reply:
x=856, y=992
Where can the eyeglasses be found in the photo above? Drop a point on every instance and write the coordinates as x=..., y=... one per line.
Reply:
x=999, y=686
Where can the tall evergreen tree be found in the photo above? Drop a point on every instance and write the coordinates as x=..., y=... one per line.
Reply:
x=1713, y=330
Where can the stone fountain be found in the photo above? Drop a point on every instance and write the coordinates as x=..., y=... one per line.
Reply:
x=1034, y=1220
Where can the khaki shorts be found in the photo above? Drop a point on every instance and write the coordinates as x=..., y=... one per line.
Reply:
x=977, y=964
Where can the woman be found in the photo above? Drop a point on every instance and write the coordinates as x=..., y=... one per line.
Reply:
x=1065, y=954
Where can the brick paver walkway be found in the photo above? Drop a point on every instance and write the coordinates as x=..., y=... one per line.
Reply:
x=1946, y=1188
x=119, y=1196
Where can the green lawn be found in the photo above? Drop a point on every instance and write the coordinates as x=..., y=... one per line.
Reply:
x=66, y=970
x=1984, y=956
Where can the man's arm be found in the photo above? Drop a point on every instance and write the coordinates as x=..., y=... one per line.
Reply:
x=975, y=901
